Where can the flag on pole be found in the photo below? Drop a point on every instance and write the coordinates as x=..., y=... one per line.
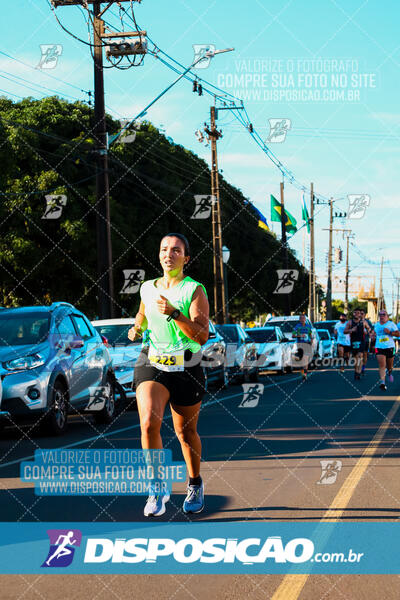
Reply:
x=262, y=221
x=290, y=221
x=305, y=216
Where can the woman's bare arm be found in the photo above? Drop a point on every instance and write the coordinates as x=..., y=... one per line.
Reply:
x=140, y=324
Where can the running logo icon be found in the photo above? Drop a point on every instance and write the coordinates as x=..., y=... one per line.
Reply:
x=128, y=136
x=251, y=395
x=330, y=470
x=200, y=51
x=133, y=279
x=50, y=55
x=97, y=397
x=357, y=205
x=62, y=547
x=286, y=280
x=54, y=206
x=278, y=129
x=203, y=207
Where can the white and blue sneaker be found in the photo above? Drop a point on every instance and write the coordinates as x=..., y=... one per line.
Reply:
x=155, y=505
x=194, y=501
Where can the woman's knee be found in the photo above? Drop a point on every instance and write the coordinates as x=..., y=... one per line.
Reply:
x=149, y=424
x=186, y=435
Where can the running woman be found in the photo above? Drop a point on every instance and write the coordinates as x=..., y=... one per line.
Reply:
x=358, y=329
x=175, y=312
x=343, y=340
x=302, y=331
x=384, y=332
x=367, y=340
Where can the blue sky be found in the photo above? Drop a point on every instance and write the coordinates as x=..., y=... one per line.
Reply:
x=346, y=145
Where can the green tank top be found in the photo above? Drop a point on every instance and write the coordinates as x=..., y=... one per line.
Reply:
x=166, y=336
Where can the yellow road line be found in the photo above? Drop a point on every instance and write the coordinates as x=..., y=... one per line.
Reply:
x=292, y=585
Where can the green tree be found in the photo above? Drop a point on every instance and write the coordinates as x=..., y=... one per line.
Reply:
x=48, y=148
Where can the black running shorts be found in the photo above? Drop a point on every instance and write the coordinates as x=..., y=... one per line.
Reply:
x=185, y=387
x=388, y=352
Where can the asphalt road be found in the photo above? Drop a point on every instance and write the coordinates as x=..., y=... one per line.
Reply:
x=260, y=463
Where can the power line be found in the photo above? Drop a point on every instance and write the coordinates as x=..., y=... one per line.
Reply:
x=44, y=72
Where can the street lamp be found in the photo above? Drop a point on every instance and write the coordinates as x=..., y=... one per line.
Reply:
x=225, y=258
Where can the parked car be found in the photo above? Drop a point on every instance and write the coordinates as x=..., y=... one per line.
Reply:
x=52, y=363
x=287, y=324
x=329, y=325
x=241, y=353
x=327, y=344
x=273, y=349
x=124, y=353
x=214, y=358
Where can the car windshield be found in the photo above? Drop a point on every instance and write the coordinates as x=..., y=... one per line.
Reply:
x=262, y=335
x=329, y=325
x=117, y=335
x=324, y=335
x=23, y=328
x=229, y=332
x=286, y=326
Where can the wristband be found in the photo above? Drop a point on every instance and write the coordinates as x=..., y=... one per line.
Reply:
x=174, y=315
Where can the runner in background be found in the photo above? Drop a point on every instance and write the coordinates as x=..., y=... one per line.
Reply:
x=343, y=340
x=358, y=330
x=384, y=332
x=302, y=332
x=367, y=340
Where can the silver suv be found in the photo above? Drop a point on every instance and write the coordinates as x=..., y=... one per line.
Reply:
x=53, y=362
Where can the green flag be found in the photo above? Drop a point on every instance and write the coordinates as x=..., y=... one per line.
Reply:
x=290, y=221
x=305, y=216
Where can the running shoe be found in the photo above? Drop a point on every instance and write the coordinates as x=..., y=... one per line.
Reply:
x=391, y=379
x=155, y=505
x=383, y=387
x=357, y=376
x=304, y=376
x=194, y=501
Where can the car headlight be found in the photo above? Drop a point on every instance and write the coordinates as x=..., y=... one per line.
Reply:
x=25, y=362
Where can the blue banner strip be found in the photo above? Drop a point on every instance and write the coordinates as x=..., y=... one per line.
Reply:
x=200, y=548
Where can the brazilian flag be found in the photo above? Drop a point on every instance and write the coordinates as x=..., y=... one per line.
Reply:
x=290, y=221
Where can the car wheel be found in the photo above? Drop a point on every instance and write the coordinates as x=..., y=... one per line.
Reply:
x=56, y=420
x=107, y=413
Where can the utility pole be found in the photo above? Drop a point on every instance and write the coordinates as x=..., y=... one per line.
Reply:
x=103, y=225
x=220, y=297
x=397, y=299
x=220, y=313
x=105, y=281
x=285, y=257
x=329, y=281
x=311, y=279
x=346, y=285
x=380, y=294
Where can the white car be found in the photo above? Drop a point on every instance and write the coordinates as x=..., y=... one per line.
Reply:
x=273, y=349
x=327, y=344
x=286, y=324
x=123, y=352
